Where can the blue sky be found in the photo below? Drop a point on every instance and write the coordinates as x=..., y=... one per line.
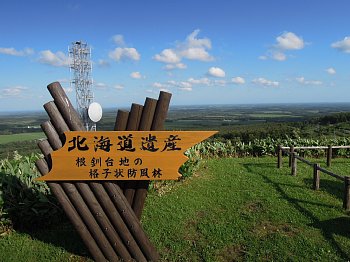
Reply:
x=203, y=52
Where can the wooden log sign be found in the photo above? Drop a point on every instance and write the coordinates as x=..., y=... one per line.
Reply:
x=122, y=155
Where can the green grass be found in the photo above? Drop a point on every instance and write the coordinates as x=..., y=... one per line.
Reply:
x=4, y=139
x=248, y=210
x=241, y=209
x=57, y=244
x=271, y=115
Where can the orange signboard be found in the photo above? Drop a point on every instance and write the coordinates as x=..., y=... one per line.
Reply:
x=122, y=155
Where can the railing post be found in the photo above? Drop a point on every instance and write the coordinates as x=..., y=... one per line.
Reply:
x=329, y=155
x=346, y=201
x=294, y=164
x=291, y=151
x=279, y=156
x=316, y=184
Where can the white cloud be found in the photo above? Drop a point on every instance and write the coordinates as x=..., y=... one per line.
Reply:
x=100, y=85
x=201, y=81
x=68, y=89
x=302, y=80
x=12, y=51
x=331, y=71
x=343, y=45
x=279, y=56
x=118, y=87
x=159, y=85
x=63, y=80
x=184, y=85
x=220, y=82
x=54, y=59
x=289, y=41
x=186, y=88
x=136, y=75
x=238, y=80
x=216, y=72
x=285, y=42
x=263, y=57
x=193, y=48
x=119, y=40
x=265, y=82
x=193, y=41
x=102, y=63
x=124, y=53
x=167, y=56
x=14, y=91
x=175, y=66
x=197, y=53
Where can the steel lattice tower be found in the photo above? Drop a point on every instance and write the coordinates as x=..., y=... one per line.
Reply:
x=81, y=69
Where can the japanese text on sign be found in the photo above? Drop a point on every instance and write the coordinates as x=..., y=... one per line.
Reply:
x=122, y=155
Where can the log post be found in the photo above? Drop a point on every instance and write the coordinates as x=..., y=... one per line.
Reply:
x=329, y=155
x=107, y=242
x=316, y=182
x=291, y=151
x=346, y=201
x=294, y=164
x=279, y=156
x=72, y=214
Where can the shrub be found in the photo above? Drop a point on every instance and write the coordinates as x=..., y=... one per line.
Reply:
x=25, y=202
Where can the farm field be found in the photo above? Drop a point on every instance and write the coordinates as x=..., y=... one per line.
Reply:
x=4, y=139
x=232, y=209
x=244, y=122
x=220, y=117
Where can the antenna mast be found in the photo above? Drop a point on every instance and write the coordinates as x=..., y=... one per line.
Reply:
x=81, y=69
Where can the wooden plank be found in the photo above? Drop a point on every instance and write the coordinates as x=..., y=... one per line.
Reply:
x=66, y=116
x=121, y=120
x=331, y=174
x=72, y=214
x=306, y=147
x=120, y=125
x=52, y=135
x=100, y=216
x=158, y=119
x=65, y=107
x=316, y=181
x=148, y=112
x=75, y=198
x=90, y=221
x=294, y=164
x=161, y=111
x=291, y=152
x=279, y=156
x=329, y=155
x=346, y=200
x=304, y=160
x=142, y=186
x=56, y=118
x=117, y=221
x=339, y=147
x=101, y=190
x=131, y=220
x=315, y=147
x=46, y=149
x=133, y=124
x=83, y=158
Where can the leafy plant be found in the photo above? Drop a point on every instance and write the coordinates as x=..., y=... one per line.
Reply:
x=24, y=201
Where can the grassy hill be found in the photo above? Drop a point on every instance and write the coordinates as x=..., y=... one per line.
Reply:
x=234, y=209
